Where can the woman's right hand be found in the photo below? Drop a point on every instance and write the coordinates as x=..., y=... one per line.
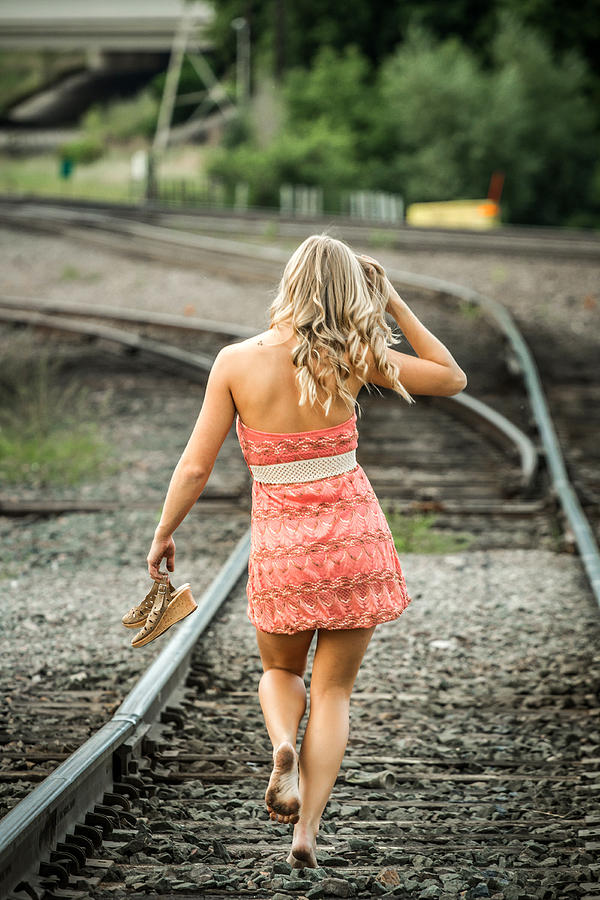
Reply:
x=373, y=268
x=370, y=266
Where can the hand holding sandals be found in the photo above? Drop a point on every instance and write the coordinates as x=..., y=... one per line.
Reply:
x=162, y=607
x=163, y=547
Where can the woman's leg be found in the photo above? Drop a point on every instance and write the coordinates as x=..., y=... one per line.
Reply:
x=338, y=656
x=282, y=695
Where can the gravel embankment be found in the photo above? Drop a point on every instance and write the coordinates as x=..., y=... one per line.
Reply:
x=68, y=579
x=144, y=418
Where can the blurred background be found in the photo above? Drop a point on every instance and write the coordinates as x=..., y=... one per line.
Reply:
x=159, y=163
x=308, y=106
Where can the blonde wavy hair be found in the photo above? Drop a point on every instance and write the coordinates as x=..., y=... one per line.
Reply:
x=335, y=301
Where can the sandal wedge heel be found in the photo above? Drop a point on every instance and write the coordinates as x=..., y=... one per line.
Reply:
x=137, y=615
x=166, y=611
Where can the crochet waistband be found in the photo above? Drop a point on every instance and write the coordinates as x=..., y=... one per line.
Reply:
x=305, y=469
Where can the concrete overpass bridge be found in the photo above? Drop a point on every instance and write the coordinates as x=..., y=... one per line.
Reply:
x=121, y=44
x=98, y=26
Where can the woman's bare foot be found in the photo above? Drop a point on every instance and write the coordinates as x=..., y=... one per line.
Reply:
x=304, y=846
x=282, y=795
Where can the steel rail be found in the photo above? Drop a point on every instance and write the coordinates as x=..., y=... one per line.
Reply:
x=33, y=827
x=134, y=342
x=561, y=485
x=125, y=314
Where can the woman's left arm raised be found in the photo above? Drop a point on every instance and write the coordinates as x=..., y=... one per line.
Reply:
x=197, y=460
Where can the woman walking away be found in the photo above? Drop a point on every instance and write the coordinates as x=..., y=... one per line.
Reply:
x=322, y=555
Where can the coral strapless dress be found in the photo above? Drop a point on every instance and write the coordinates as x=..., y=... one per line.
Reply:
x=322, y=553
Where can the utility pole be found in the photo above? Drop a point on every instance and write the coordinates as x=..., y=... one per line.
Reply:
x=242, y=29
x=165, y=113
x=185, y=44
x=280, y=35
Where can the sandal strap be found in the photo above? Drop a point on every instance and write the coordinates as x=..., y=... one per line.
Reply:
x=154, y=604
x=161, y=602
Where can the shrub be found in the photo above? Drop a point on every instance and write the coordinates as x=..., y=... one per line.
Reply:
x=123, y=119
x=85, y=150
x=319, y=156
x=45, y=433
x=450, y=123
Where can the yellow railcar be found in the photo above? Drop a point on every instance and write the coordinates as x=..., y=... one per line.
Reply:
x=480, y=214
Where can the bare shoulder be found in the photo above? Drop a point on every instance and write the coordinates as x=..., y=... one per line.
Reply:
x=239, y=348
x=232, y=356
x=244, y=345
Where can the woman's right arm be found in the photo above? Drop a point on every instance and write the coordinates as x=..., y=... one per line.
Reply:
x=434, y=371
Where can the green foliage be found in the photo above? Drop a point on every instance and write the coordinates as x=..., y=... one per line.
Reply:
x=236, y=132
x=63, y=457
x=450, y=123
x=72, y=273
x=434, y=126
x=563, y=26
x=316, y=155
x=328, y=117
x=340, y=91
x=123, y=119
x=104, y=124
x=415, y=533
x=434, y=121
x=85, y=150
x=543, y=129
x=433, y=96
x=285, y=35
x=44, y=435
x=337, y=87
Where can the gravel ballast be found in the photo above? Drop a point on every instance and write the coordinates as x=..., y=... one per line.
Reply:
x=555, y=294
x=480, y=701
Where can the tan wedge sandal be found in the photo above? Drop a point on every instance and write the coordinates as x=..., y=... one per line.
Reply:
x=137, y=615
x=168, y=608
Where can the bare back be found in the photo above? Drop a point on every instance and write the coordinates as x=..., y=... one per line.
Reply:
x=266, y=394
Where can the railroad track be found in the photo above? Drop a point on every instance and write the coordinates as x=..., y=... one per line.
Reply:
x=119, y=228
x=499, y=805
x=129, y=784
x=261, y=224
x=422, y=470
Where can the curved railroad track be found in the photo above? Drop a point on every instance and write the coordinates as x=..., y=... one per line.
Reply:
x=423, y=470
x=145, y=780
x=115, y=227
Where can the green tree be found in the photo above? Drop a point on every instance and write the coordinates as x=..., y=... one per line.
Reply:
x=318, y=156
x=325, y=134
x=564, y=26
x=293, y=32
x=339, y=88
x=542, y=127
x=433, y=94
x=433, y=123
x=448, y=123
